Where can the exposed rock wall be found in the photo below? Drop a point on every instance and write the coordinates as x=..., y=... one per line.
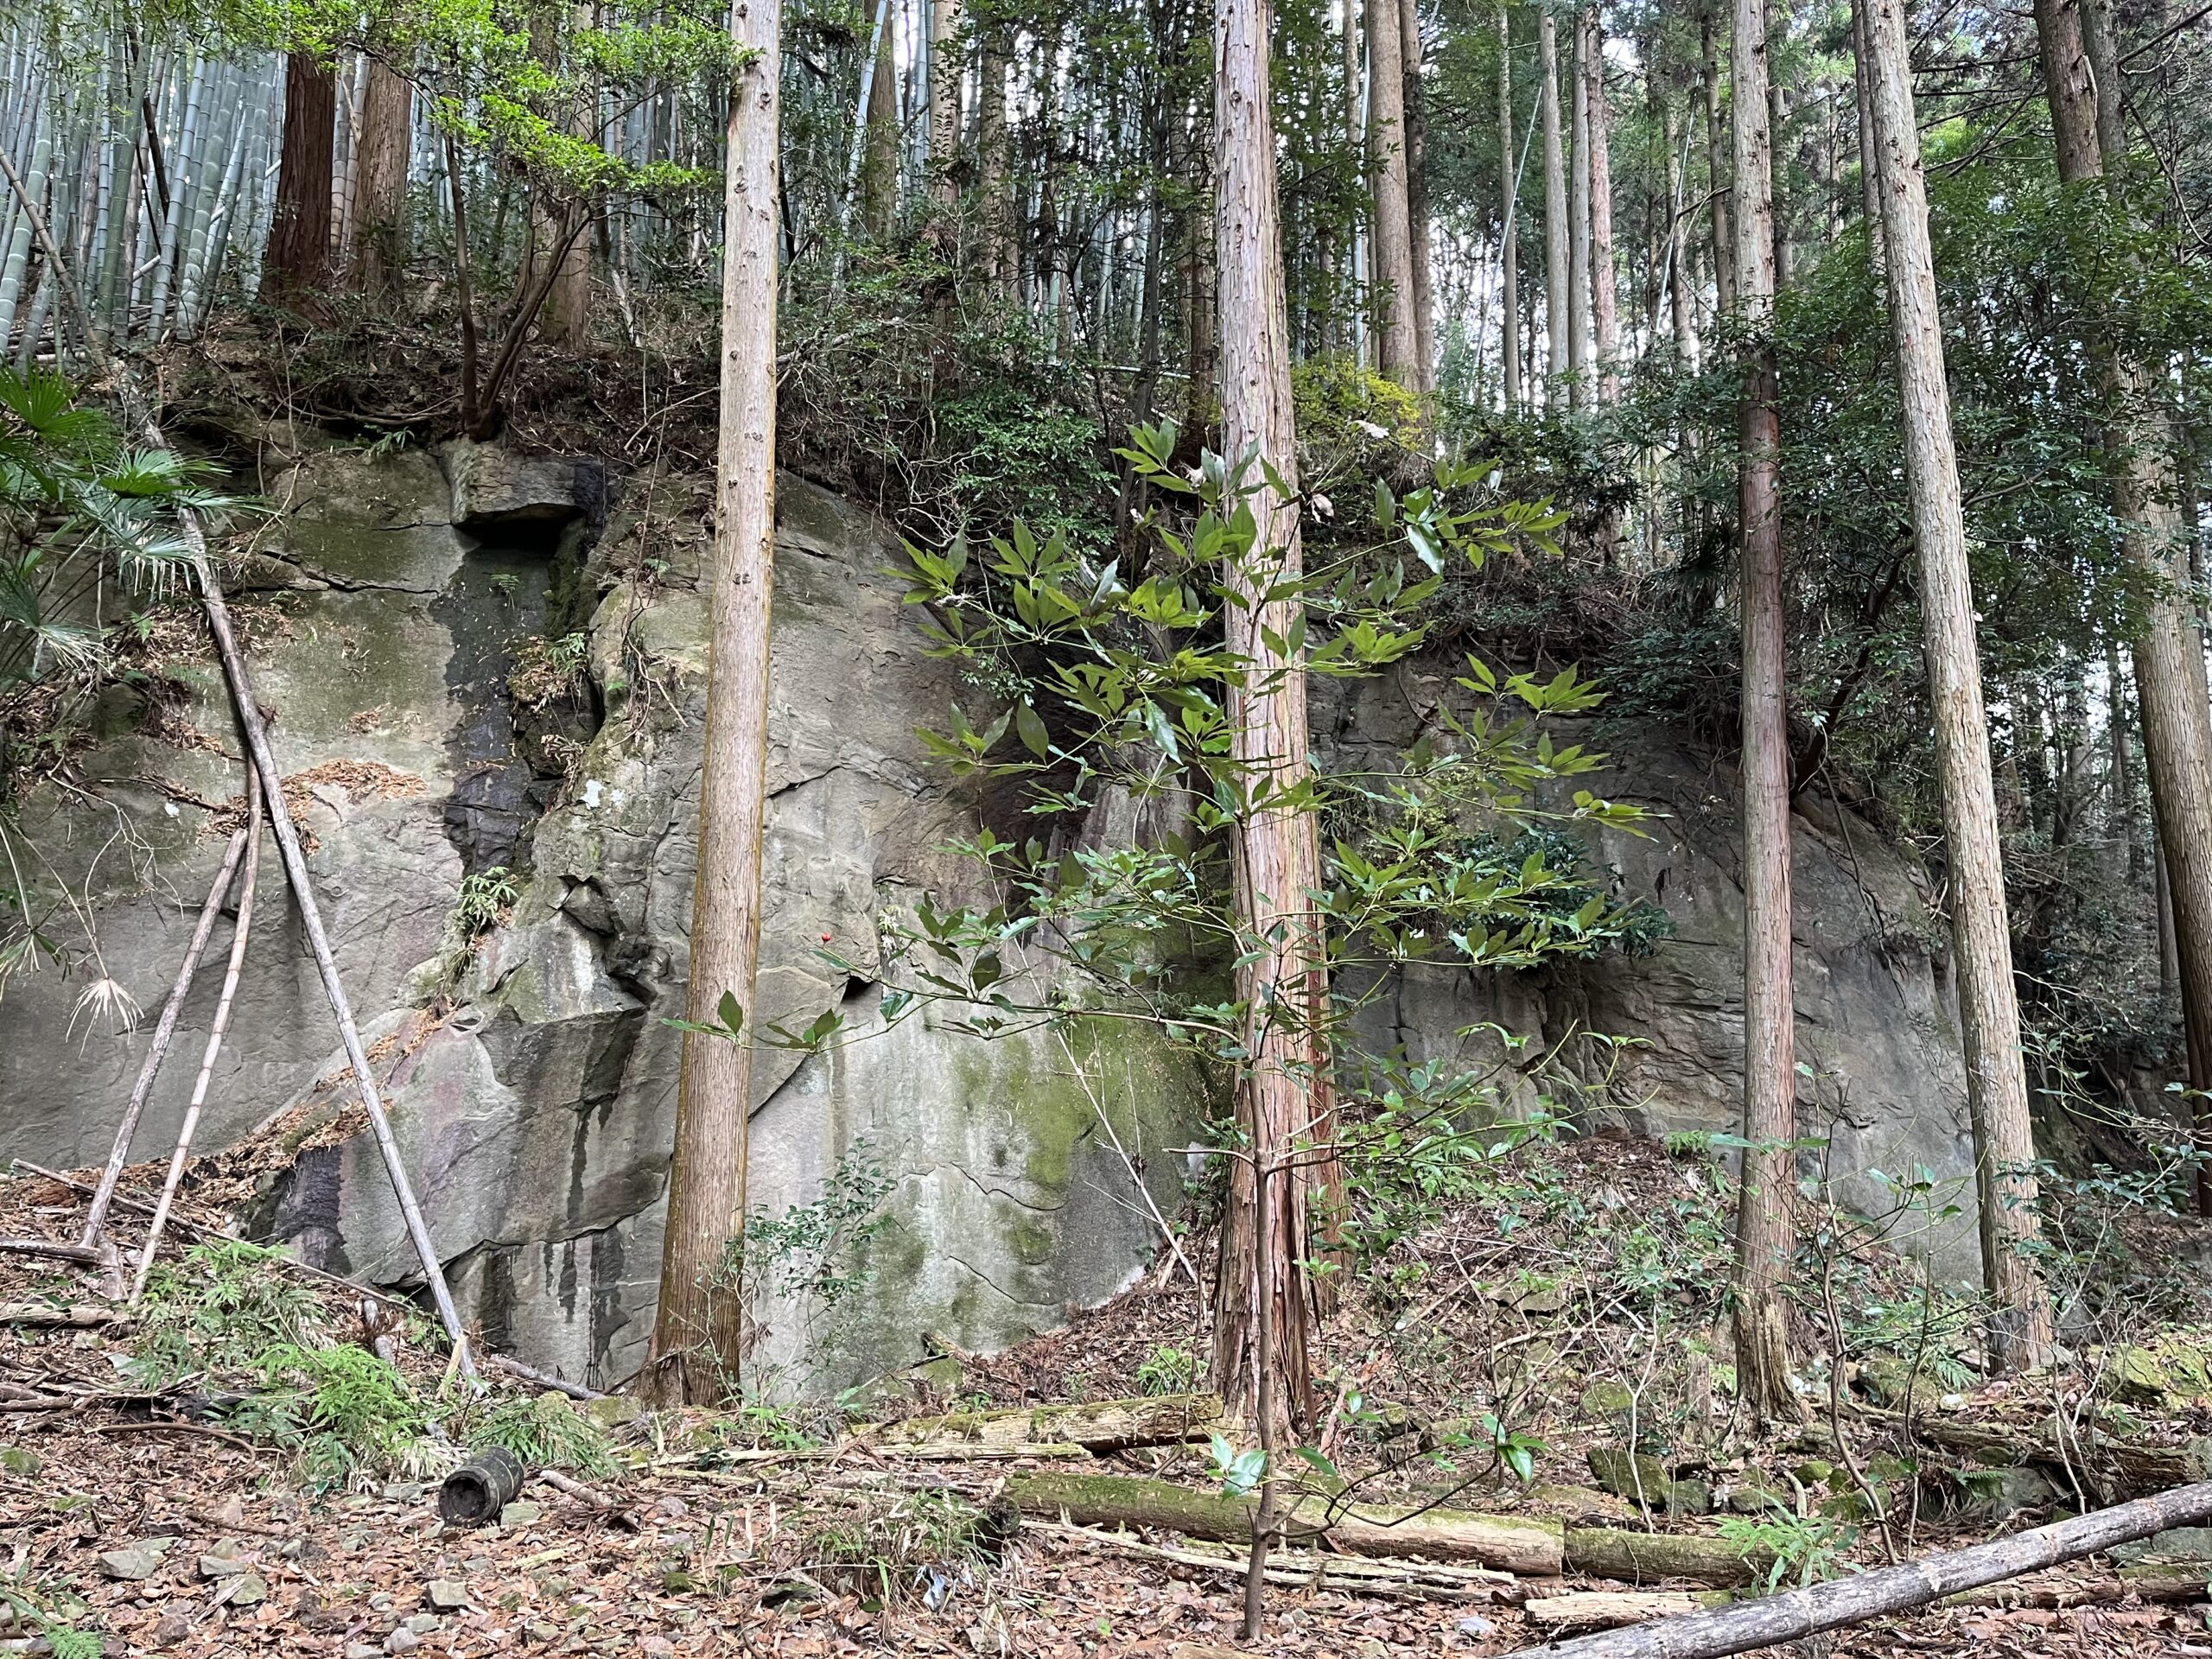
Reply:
x=532, y=1074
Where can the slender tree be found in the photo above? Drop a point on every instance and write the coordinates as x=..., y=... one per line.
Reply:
x=697, y=1334
x=1399, y=356
x=1604, y=295
x=1989, y=1015
x=1509, y=253
x=1420, y=251
x=1765, y=1232
x=1260, y=1308
x=1579, y=340
x=1557, y=236
x=948, y=68
x=2168, y=648
x=1716, y=151
x=297, y=263
x=880, y=152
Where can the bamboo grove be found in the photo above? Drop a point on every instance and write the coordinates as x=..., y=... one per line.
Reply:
x=1862, y=344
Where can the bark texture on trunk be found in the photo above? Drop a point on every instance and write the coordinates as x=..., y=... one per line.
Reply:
x=697, y=1337
x=1420, y=251
x=996, y=167
x=1275, y=854
x=1989, y=1014
x=1716, y=151
x=1557, y=307
x=1508, y=258
x=1579, y=340
x=383, y=150
x=1393, y=298
x=1604, y=295
x=1764, y=1233
x=948, y=68
x=2168, y=650
x=879, y=144
x=298, y=261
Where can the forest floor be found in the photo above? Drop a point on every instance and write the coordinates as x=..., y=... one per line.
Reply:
x=146, y=1507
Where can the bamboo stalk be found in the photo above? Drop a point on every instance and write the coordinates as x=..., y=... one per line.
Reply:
x=164, y=1030
x=295, y=870
x=240, y=933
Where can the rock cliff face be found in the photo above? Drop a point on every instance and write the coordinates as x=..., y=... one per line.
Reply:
x=548, y=798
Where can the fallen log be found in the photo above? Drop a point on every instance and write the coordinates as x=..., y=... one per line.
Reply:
x=2121, y=1466
x=1513, y=1543
x=2163, y=1581
x=1796, y=1614
x=1652, y=1557
x=543, y=1379
x=1315, y=1570
x=83, y=1254
x=1101, y=1425
x=1605, y=1610
x=84, y=1317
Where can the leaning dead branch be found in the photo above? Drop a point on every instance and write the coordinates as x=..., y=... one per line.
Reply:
x=1796, y=1614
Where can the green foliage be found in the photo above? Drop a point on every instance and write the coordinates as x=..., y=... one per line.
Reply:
x=1167, y=1370
x=484, y=899
x=917, y=1548
x=1806, y=1548
x=78, y=506
x=220, y=1307
x=1012, y=459
x=343, y=1410
x=545, y=1432
x=53, y=1612
x=546, y=671
x=818, y=1251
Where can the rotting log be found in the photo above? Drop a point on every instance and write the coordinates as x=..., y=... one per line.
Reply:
x=1315, y=1570
x=83, y=1254
x=83, y=1316
x=2116, y=1466
x=1605, y=1610
x=1796, y=1614
x=543, y=1379
x=1513, y=1543
x=1101, y=1425
x=1654, y=1557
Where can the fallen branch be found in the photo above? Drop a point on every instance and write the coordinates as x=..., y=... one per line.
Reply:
x=176, y=1427
x=2126, y=1465
x=1103, y=1425
x=1605, y=1610
x=164, y=1031
x=1796, y=1614
x=84, y=1316
x=1315, y=1570
x=1513, y=1543
x=83, y=1254
x=543, y=1379
x=575, y=1488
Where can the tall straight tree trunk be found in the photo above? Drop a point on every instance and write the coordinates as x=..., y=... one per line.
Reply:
x=1354, y=138
x=1509, y=253
x=1557, y=307
x=1578, y=245
x=697, y=1335
x=297, y=263
x=880, y=156
x=1604, y=296
x=1260, y=1308
x=1680, y=275
x=1870, y=169
x=2169, y=649
x=384, y=146
x=1202, y=398
x=1764, y=1230
x=2098, y=46
x=1393, y=301
x=1716, y=151
x=1421, y=254
x=1989, y=1015
x=566, y=315
x=996, y=166
x=948, y=68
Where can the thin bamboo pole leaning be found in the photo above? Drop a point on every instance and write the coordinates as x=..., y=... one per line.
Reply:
x=241, y=933
x=164, y=1031
x=1796, y=1614
x=296, y=871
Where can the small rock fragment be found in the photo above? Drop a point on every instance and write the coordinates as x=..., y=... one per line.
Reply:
x=171, y=1629
x=446, y=1595
x=134, y=1561
x=246, y=1590
x=1475, y=1627
x=422, y=1623
x=225, y=1560
x=402, y=1640
x=522, y=1513
x=362, y=1650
